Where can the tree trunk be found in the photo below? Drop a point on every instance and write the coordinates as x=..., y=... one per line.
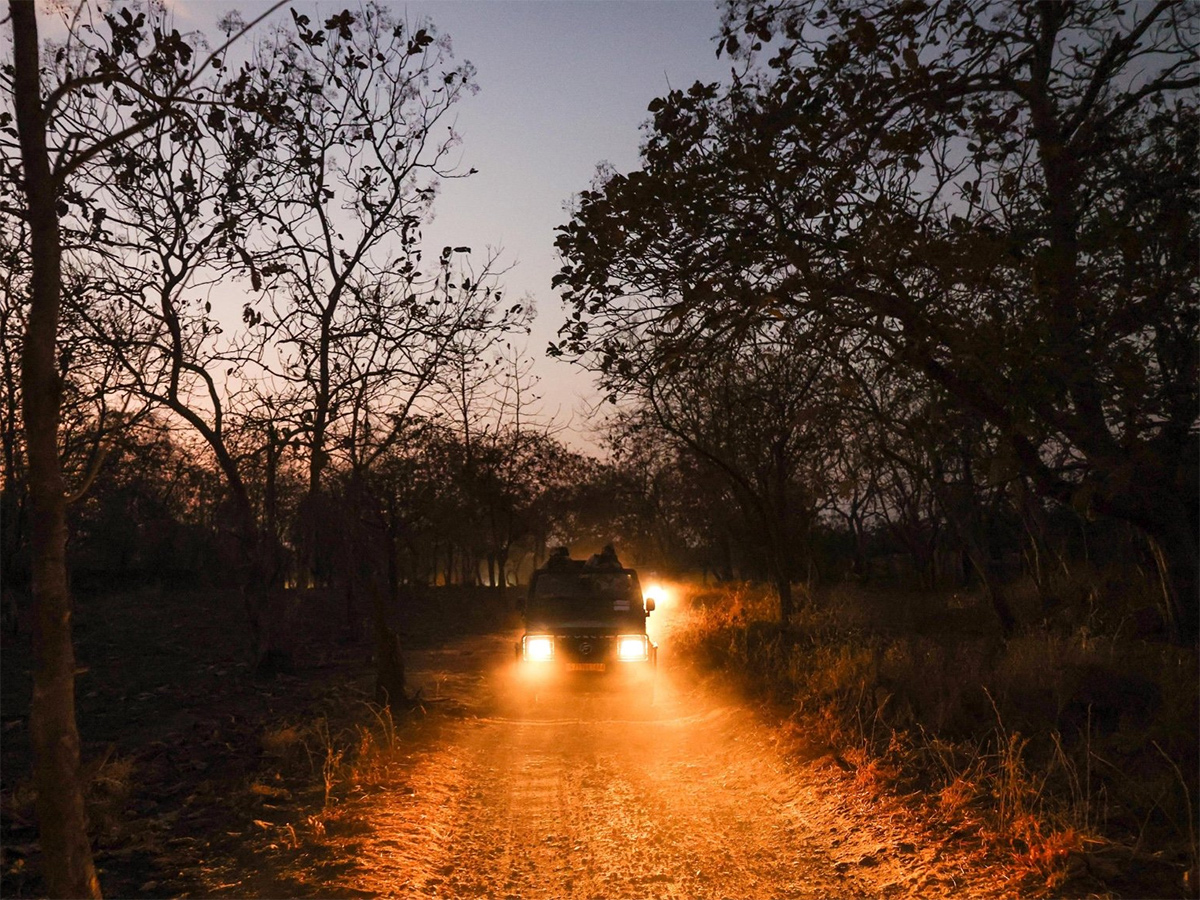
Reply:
x=62, y=821
x=992, y=588
x=502, y=567
x=963, y=511
x=726, y=571
x=258, y=578
x=787, y=606
x=781, y=562
x=470, y=569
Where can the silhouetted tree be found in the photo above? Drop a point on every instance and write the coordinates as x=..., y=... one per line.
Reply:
x=345, y=174
x=1003, y=196
x=150, y=509
x=678, y=512
x=168, y=230
x=343, y=183
x=125, y=50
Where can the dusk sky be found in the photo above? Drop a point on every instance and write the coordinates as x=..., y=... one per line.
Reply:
x=563, y=86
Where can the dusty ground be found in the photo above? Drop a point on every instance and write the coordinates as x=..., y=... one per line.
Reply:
x=694, y=799
x=581, y=796
x=584, y=796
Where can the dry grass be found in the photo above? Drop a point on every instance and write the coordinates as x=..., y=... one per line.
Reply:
x=349, y=756
x=1070, y=746
x=109, y=783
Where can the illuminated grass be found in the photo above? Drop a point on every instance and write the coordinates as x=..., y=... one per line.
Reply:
x=1046, y=744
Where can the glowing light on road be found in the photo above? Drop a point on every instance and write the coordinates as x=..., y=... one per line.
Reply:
x=539, y=647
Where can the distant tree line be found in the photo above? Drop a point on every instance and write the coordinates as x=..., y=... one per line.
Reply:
x=483, y=513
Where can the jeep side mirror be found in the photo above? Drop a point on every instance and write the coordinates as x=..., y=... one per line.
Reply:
x=649, y=605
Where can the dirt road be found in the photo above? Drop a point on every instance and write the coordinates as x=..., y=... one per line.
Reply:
x=579, y=798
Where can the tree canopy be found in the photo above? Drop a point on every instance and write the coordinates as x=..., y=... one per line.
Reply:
x=999, y=197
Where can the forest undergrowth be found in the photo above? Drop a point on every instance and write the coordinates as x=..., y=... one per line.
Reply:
x=1071, y=745
x=198, y=773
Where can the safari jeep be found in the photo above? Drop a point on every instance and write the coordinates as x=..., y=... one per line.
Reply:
x=585, y=626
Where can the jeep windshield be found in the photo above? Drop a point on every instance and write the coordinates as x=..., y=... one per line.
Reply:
x=586, y=595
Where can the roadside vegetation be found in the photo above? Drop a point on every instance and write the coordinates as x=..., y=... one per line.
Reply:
x=1071, y=746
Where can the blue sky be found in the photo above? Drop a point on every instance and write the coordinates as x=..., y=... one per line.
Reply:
x=564, y=85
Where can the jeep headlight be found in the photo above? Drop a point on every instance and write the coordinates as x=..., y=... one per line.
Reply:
x=538, y=647
x=633, y=648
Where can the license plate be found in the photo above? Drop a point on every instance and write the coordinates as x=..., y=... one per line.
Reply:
x=585, y=667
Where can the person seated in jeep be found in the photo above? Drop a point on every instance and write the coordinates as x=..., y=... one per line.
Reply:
x=560, y=559
x=605, y=559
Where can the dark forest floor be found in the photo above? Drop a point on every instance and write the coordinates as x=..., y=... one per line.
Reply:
x=181, y=745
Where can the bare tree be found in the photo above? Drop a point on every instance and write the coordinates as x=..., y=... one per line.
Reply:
x=340, y=192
